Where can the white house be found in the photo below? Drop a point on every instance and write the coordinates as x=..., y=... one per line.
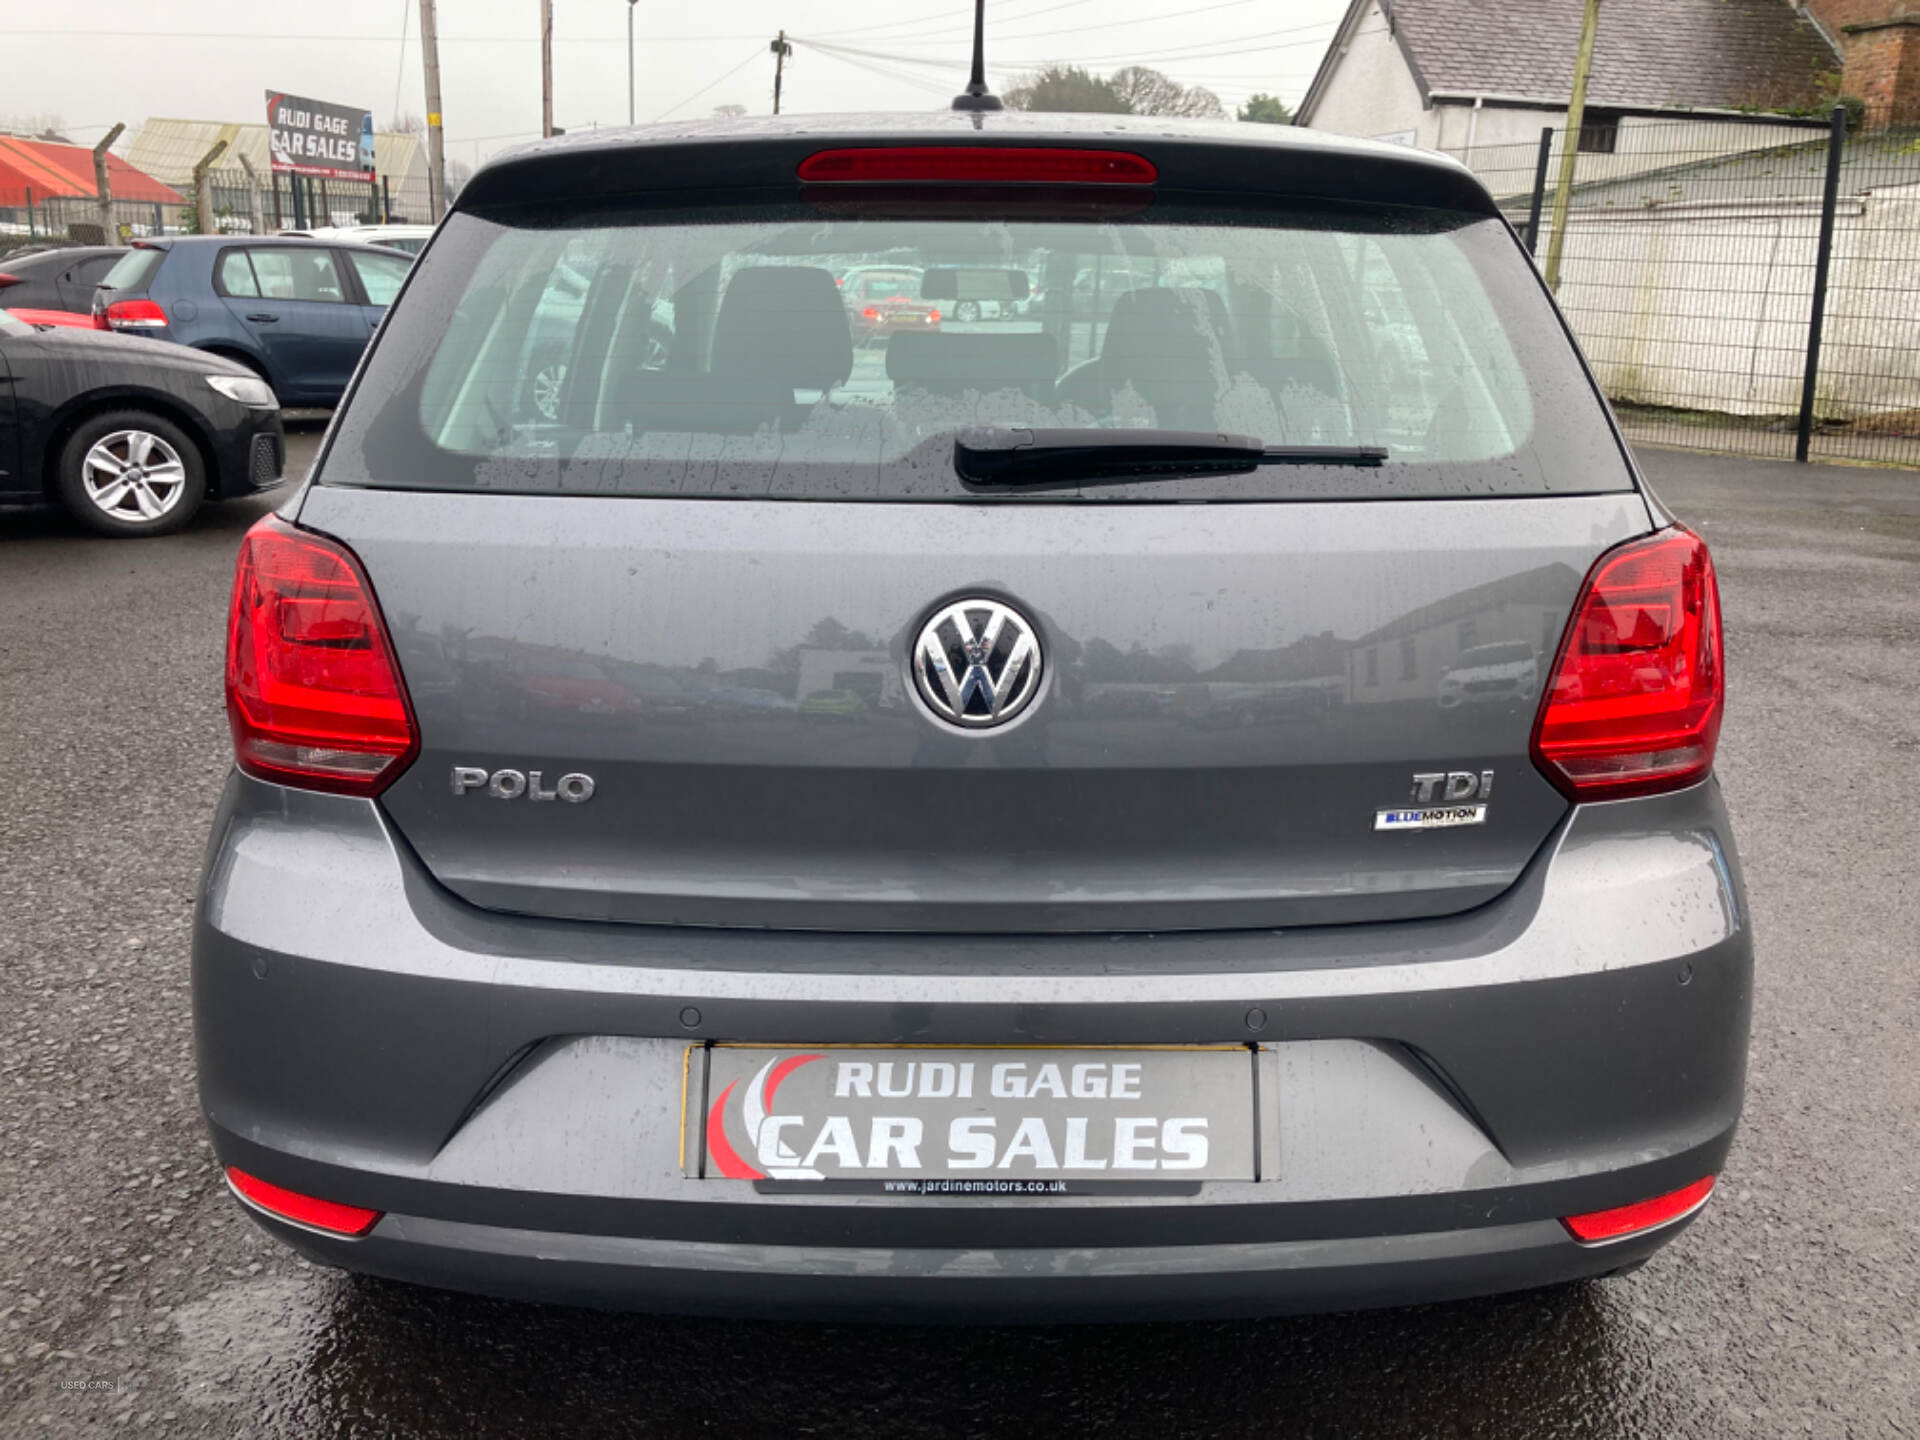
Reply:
x=1480, y=79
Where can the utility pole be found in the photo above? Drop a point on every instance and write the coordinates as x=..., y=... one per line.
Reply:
x=630, y=5
x=546, y=67
x=102, y=187
x=1576, y=122
x=255, y=213
x=436, y=140
x=203, y=190
x=781, y=49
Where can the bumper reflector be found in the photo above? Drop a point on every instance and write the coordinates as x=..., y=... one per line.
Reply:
x=302, y=1209
x=1641, y=1215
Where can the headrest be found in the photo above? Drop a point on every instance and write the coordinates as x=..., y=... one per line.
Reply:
x=785, y=323
x=1160, y=323
x=979, y=361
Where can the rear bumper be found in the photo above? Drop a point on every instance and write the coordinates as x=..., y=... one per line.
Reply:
x=918, y=1285
x=506, y=1090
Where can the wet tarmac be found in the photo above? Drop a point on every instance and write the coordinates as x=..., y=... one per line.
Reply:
x=135, y=1298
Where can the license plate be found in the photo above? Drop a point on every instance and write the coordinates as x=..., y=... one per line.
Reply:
x=957, y=1121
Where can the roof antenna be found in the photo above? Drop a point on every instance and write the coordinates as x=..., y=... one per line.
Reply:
x=977, y=97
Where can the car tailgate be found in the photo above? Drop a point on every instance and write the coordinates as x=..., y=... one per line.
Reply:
x=1233, y=693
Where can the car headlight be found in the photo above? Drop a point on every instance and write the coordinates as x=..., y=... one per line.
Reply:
x=249, y=390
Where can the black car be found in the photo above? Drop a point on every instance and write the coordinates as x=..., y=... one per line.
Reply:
x=58, y=277
x=130, y=436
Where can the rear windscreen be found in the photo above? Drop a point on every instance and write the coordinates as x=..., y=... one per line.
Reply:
x=816, y=354
x=133, y=269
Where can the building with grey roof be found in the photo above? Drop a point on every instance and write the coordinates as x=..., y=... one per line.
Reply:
x=1469, y=76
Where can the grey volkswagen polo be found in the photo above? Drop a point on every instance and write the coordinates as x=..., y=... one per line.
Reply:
x=964, y=823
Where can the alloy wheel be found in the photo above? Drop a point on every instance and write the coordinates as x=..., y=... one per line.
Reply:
x=133, y=475
x=547, y=381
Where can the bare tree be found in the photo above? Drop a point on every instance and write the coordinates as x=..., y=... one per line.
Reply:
x=729, y=112
x=1148, y=92
x=36, y=127
x=407, y=124
x=1066, y=88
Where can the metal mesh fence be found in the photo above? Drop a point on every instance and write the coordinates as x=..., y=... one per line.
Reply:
x=241, y=203
x=1691, y=267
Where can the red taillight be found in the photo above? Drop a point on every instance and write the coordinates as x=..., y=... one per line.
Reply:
x=933, y=317
x=314, y=696
x=978, y=165
x=6, y=279
x=869, y=313
x=349, y=1220
x=135, y=315
x=1634, y=703
x=1641, y=1215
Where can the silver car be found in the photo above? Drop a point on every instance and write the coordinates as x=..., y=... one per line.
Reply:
x=970, y=826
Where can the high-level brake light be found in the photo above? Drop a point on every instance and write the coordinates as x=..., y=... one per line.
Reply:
x=1642, y=1215
x=977, y=165
x=349, y=1220
x=314, y=695
x=1634, y=702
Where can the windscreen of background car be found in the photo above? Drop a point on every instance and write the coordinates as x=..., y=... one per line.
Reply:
x=743, y=353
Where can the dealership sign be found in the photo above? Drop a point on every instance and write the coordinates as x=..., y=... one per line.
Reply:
x=311, y=137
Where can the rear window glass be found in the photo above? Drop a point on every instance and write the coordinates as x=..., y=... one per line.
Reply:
x=381, y=276
x=235, y=274
x=91, y=270
x=302, y=274
x=814, y=354
x=133, y=269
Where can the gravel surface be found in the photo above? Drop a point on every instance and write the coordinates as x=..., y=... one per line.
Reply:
x=135, y=1298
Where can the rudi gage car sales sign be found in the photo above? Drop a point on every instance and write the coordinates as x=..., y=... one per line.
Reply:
x=311, y=137
x=936, y=1121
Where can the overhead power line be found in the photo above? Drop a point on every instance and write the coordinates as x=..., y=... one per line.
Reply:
x=961, y=23
x=913, y=81
x=400, y=69
x=1231, y=45
x=1181, y=16
x=752, y=55
x=827, y=47
x=1164, y=16
x=945, y=12
x=256, y=38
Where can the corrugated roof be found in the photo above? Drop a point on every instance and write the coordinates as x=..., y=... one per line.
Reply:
x=52, y=170
x=170, y=148
x=1794, y=173
x=1655, y=54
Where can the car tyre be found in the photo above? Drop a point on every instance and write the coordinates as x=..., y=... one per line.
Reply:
x=131, y=473
x=967, y=311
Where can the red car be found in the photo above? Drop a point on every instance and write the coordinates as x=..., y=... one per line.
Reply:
x=882, y=301
x=56, y=317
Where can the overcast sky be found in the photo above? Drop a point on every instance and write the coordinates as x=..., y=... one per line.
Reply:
x=214, y=59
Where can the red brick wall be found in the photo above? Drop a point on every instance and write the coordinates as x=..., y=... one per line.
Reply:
x=1836, y=14
x=1882, y=59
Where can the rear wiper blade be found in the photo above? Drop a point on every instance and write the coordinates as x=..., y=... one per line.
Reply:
x=1015, y=455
